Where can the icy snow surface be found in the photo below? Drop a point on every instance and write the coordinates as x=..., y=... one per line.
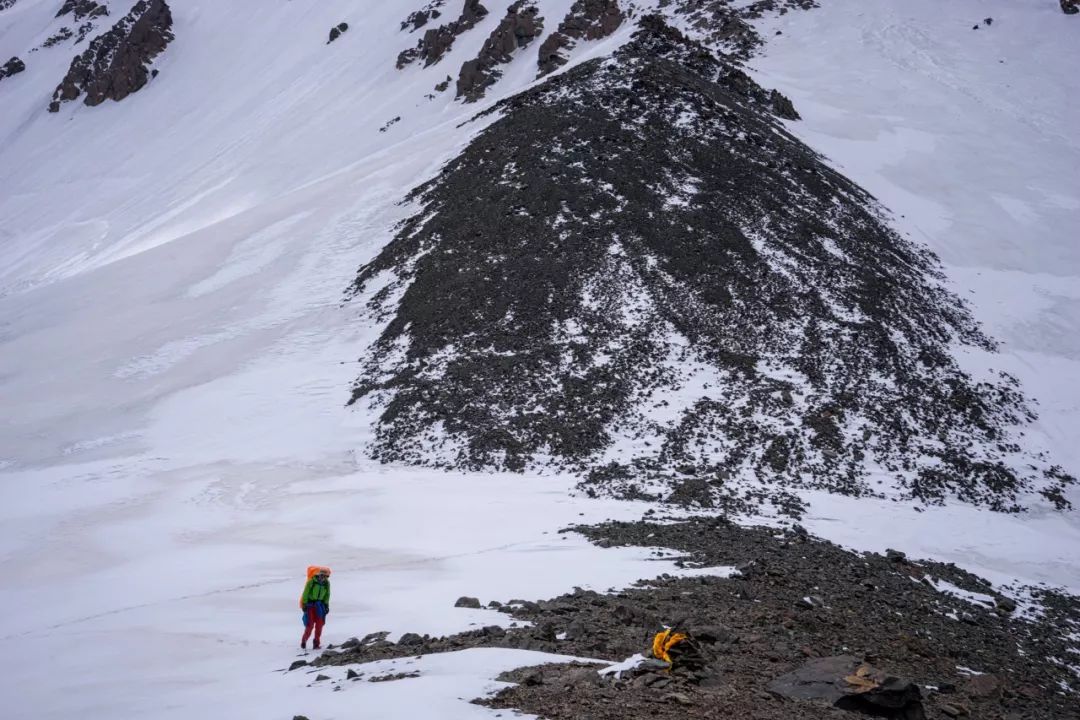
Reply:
x=175, y=357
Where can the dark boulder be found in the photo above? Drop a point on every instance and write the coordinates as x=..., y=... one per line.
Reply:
x=467, y=602
x=848, y=683
x=336, y=31
x=1070, y=7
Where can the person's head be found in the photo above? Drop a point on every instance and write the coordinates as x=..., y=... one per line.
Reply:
x=322, y=574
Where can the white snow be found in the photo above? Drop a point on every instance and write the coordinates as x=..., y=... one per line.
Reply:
x=175, y=356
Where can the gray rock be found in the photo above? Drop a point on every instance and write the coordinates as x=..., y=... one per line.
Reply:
x=467, y=602
x=298, y=664
x=849, y=684
x=410, y=639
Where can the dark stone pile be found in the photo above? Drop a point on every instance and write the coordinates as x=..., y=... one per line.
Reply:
x=117, y=62
x=638, y=274
x=521, y=25
x=799, y=608
x=586, y=20
x=5, y=4
x=1070, y=7
x=14, y=66
x=438, y=41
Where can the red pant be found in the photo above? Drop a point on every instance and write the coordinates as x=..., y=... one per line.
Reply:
x=314, y=623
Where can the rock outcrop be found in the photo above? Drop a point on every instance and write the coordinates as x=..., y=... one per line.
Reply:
x=438, y=41
x=14, y=66
x=82, y=9
x=586, y=20
x=636, y=273
x=421, y=17
x=117, y=63
x=1070, y=7
x=521, y=25
x=5, y=4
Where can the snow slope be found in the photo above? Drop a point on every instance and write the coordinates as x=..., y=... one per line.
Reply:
x=175, y=357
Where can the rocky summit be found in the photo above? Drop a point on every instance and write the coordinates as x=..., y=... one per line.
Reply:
x=638, y=274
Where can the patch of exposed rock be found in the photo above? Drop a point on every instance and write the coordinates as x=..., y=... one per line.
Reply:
x=438, y=41
x=725, y=26
x=5, y=4
x=14, y=66
x=521, y=25
x=777, y=638
x=64, y=33
x=1070, y=7
x=421, y=17
x=636, y=273
x=586, y=20
x=82, y=9
x=336, y=31
x=117, y=63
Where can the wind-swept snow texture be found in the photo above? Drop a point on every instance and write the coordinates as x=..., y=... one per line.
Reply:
x=638, y=252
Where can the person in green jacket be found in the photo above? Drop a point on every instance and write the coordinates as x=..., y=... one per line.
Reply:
x=315, y=602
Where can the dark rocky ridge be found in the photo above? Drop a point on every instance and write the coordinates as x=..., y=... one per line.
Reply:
x=1070, y=7
x=521, y=25
x=586, y=20
x=5, y=4
x=438, y=41
x=639, y=229
x=14, y=66
x=796, y=598
x=117, y=62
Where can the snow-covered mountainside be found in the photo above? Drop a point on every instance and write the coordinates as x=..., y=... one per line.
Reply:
x=407, y=287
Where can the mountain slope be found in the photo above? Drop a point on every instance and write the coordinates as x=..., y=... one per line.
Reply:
x=637, y=251
x=179, y=334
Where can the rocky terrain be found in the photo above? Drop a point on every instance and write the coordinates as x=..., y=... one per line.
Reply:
x=636, y=273
x=586, y=20
x=437, y=41
x=80, y=10
x=117, y=62
x=521, y=25
x=794, y=604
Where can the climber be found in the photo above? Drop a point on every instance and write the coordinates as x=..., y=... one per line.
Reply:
x=315, y=602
